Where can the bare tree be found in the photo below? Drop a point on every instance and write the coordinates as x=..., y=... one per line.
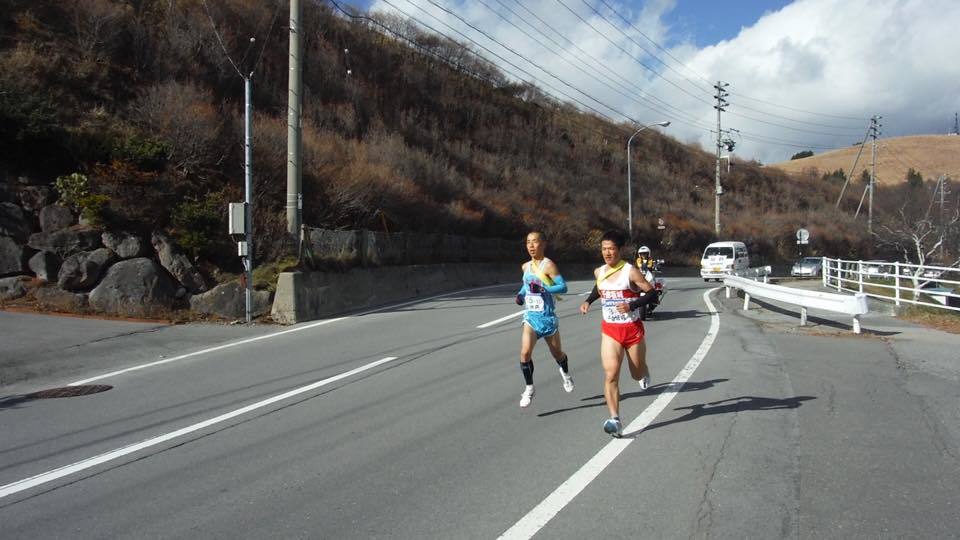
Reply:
x=917, y=240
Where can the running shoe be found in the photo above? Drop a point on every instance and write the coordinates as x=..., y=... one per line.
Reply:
x=645, y=381
x=567, y=381
x=612, y=426
x=526, y=397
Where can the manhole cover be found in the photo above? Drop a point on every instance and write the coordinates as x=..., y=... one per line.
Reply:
x=69, y=391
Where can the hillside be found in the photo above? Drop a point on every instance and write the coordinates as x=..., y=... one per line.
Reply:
x=409, y=132
x=930, y=155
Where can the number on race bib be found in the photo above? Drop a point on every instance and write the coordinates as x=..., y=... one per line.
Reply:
x=534, y=302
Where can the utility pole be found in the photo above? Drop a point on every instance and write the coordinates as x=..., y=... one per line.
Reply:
x=956, y=124
x=248, y=194
x=875, y=126
x=721, y=103
x=294, y=95
x=942, y=182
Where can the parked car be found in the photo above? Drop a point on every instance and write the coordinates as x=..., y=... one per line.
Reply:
x=807, y=267
x=875, y=267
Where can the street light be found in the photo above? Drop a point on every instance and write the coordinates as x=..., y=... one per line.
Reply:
x=665, y=123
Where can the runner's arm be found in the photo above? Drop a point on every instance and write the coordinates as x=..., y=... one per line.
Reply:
x=594, y=294
x=559, y=285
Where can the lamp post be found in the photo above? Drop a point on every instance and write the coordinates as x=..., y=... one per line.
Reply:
x=665, y=123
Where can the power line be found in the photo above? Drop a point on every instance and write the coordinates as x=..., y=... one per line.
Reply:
x=644, y=49
x=594, y=74
x=604, y=65
x=637, y=60
x=688, y=68
x=496, y=55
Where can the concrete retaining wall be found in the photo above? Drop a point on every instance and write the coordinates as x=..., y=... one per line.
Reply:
x=324, y=249
x=305, y=296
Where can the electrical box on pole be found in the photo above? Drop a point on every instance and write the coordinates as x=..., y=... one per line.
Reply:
x=237, y=219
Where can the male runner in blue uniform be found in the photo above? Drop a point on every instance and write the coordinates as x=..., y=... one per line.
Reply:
x=541, y=281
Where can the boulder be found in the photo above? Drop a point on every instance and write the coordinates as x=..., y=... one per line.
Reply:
x=13, y=257
x=14, y=222
x=56, y=299
x=12, y=288
x=66, y=242
x=45, y=265
x=178, y=264
x=54, y=217
x=229, y=301
x=125, y=245
x=134, y=288
x=81, y=271
x=33, y=198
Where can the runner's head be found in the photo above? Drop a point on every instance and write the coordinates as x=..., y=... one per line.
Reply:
x=536, y=244
x=610, y=244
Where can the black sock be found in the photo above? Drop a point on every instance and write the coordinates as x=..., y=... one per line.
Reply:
x=563, y=364
x=527, y=369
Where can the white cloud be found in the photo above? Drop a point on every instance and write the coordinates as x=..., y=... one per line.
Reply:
x=850, y=58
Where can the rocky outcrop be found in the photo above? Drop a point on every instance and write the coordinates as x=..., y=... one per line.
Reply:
x=45, y=265
x=125, y=245
x=229, y=301
x=12, y=288
x=14, y=222
x=54, y=217
x=135, y=288
x=33, y=198
x=178, y=264
x=81, y=271
x=13, y=257
x=66, y=242
x=56, y=299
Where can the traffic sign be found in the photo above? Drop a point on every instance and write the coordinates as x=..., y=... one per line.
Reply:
x=803, y=236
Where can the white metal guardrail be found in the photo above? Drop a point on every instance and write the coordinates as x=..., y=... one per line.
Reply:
x=854, y=306
x=897, y=282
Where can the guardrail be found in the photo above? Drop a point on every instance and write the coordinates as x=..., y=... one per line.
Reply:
x=854, y=306
x=897, y=282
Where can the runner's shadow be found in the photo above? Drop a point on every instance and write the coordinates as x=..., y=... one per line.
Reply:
x=731, y=405
x=653, y=390
x=670, y=315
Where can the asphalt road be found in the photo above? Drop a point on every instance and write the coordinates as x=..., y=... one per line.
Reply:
x=403, y=423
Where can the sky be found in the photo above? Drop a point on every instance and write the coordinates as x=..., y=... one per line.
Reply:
x=802, y=75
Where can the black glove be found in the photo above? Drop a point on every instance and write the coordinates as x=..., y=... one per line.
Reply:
x=519, y=299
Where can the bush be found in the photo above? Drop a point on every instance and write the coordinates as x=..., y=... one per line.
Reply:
x=72, y=188
x=94, y=209
x=199, y=224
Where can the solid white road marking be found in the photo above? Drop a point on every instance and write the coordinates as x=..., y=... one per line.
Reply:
x=500, y=320
x=531, y=523
x=267, y=336
x=50, y=476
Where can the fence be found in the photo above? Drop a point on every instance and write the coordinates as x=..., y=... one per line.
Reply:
x=925, y=285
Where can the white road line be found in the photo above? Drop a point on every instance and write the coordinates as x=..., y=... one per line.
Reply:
x=500, y=320
x=67, y=470
x=267, y=336
x=535, y=520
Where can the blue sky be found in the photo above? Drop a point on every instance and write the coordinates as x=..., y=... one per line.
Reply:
x=803, y=74
x=706, y=22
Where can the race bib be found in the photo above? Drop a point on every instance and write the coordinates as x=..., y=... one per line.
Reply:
x=610, y=312
x=534, y=302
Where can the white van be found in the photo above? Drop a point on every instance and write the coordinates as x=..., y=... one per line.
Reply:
x=723, y=258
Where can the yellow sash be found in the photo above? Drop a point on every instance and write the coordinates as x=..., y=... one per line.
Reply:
x=613, y=270
x=535, y=269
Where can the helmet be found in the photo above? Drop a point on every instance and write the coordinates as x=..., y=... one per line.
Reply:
x=643, y=249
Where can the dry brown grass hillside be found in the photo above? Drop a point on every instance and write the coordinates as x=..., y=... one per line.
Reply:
x=930, y=155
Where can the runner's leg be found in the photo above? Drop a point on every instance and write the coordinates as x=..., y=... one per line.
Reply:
x=637, y=360
x=611, y=357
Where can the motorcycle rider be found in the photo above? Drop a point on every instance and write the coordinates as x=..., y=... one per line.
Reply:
x=645, y=259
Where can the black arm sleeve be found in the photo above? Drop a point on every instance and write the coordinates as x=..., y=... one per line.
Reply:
x=594, y=294
x=642, y=300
